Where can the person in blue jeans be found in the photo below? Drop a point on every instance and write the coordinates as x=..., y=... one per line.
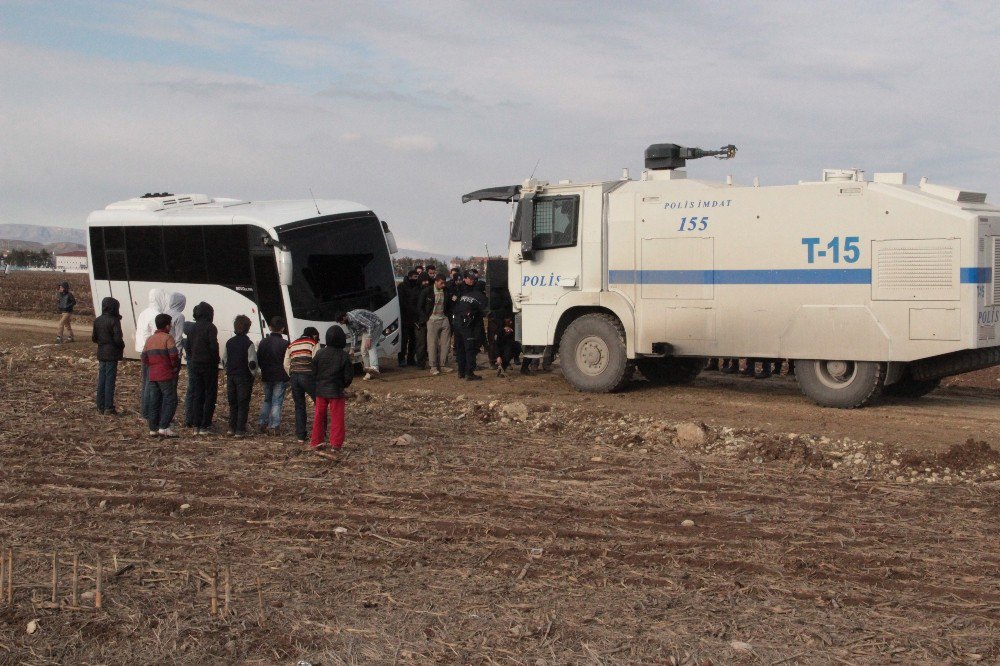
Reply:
x=274, y=379
x=298, y=365
x=107, y=334
x=160, y=355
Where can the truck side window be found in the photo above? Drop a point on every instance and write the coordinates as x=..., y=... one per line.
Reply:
x=555, y=223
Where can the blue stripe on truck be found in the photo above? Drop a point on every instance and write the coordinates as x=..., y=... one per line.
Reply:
x=970, y=275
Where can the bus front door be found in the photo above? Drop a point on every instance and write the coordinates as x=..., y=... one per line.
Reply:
x=270, y=302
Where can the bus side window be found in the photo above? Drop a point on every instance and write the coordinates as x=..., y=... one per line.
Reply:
x=144, y=247
x=184, y=249
x=114, y=248
x=228, y=255
x=97, y=253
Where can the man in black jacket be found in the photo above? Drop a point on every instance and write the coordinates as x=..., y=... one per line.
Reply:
x=467, y=317
x=420, y=322
x=274, y=379
x=203, y=368
x=407, y=290
x=434, y=307
x=107, y=334
x=65, y=306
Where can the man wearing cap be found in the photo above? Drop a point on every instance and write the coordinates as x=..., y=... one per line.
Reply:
x=467, y=316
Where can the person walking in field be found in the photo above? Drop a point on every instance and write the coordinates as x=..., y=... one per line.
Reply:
x=298, y=365
x=274, y=379
x=334, y=371
x=65, y=306
x=367, y=326
x=240, y=361
x=145, y=326
x=163, y=361
x=203, y=369
x=107, y=334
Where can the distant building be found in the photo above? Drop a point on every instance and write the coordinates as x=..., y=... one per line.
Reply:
x=72, y=262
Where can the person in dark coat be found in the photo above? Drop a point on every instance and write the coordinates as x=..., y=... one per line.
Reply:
x=408, y=290
x=186, y=349
x=334, y=371
x=506, y=346
x=420, y=322
x=203, y=369
x=274, y=379
x=467, y=316
x=240, y=361
x=434, y=307
x=67, y=301
x=107, y=334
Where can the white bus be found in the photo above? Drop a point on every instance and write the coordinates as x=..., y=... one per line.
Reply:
x=304, y=260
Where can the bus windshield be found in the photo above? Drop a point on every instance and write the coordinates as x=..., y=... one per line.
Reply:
x=339, y=264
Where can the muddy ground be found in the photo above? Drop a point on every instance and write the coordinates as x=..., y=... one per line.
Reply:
x=525, y=523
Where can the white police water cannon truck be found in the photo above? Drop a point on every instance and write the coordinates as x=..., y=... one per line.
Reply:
x=870, y=287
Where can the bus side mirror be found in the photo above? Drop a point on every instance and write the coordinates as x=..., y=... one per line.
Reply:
x=285, y=267
x=525, y=222
x=391, y=240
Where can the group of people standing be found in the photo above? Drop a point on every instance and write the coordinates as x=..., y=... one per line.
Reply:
x=439, y=314
x=163, y=338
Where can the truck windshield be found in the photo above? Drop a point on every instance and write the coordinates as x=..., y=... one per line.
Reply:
x=339, y=264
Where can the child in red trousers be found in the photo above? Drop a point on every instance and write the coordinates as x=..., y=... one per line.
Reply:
x=334, y=372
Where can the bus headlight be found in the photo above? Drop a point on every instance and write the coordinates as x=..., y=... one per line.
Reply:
x=391, y=328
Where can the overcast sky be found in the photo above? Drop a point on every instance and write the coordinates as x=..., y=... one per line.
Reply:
x=405, y=106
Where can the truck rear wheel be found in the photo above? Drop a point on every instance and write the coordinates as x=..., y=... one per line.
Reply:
x=592, y=354
x=841, y=384
x=670, y=370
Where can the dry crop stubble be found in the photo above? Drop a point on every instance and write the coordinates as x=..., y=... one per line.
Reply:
x=557, y=539
x=478, y=541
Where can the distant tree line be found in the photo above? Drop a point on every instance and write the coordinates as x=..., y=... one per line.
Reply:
x=31, y=259
x=403, y=265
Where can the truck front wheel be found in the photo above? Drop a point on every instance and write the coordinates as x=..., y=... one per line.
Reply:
x=592, y=354
x=841, y=384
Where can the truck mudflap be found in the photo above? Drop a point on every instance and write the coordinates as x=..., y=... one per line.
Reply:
x=954, y=363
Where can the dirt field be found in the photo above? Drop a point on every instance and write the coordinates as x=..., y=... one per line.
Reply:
x=33, y=293
x=524, y=523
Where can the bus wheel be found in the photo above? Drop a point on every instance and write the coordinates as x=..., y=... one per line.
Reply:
x=842, y=384
x=592, y=354
x=670, y=370
x=907, y=387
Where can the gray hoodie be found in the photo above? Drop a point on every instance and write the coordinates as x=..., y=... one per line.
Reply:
x=175, y=309
x=159, y=302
